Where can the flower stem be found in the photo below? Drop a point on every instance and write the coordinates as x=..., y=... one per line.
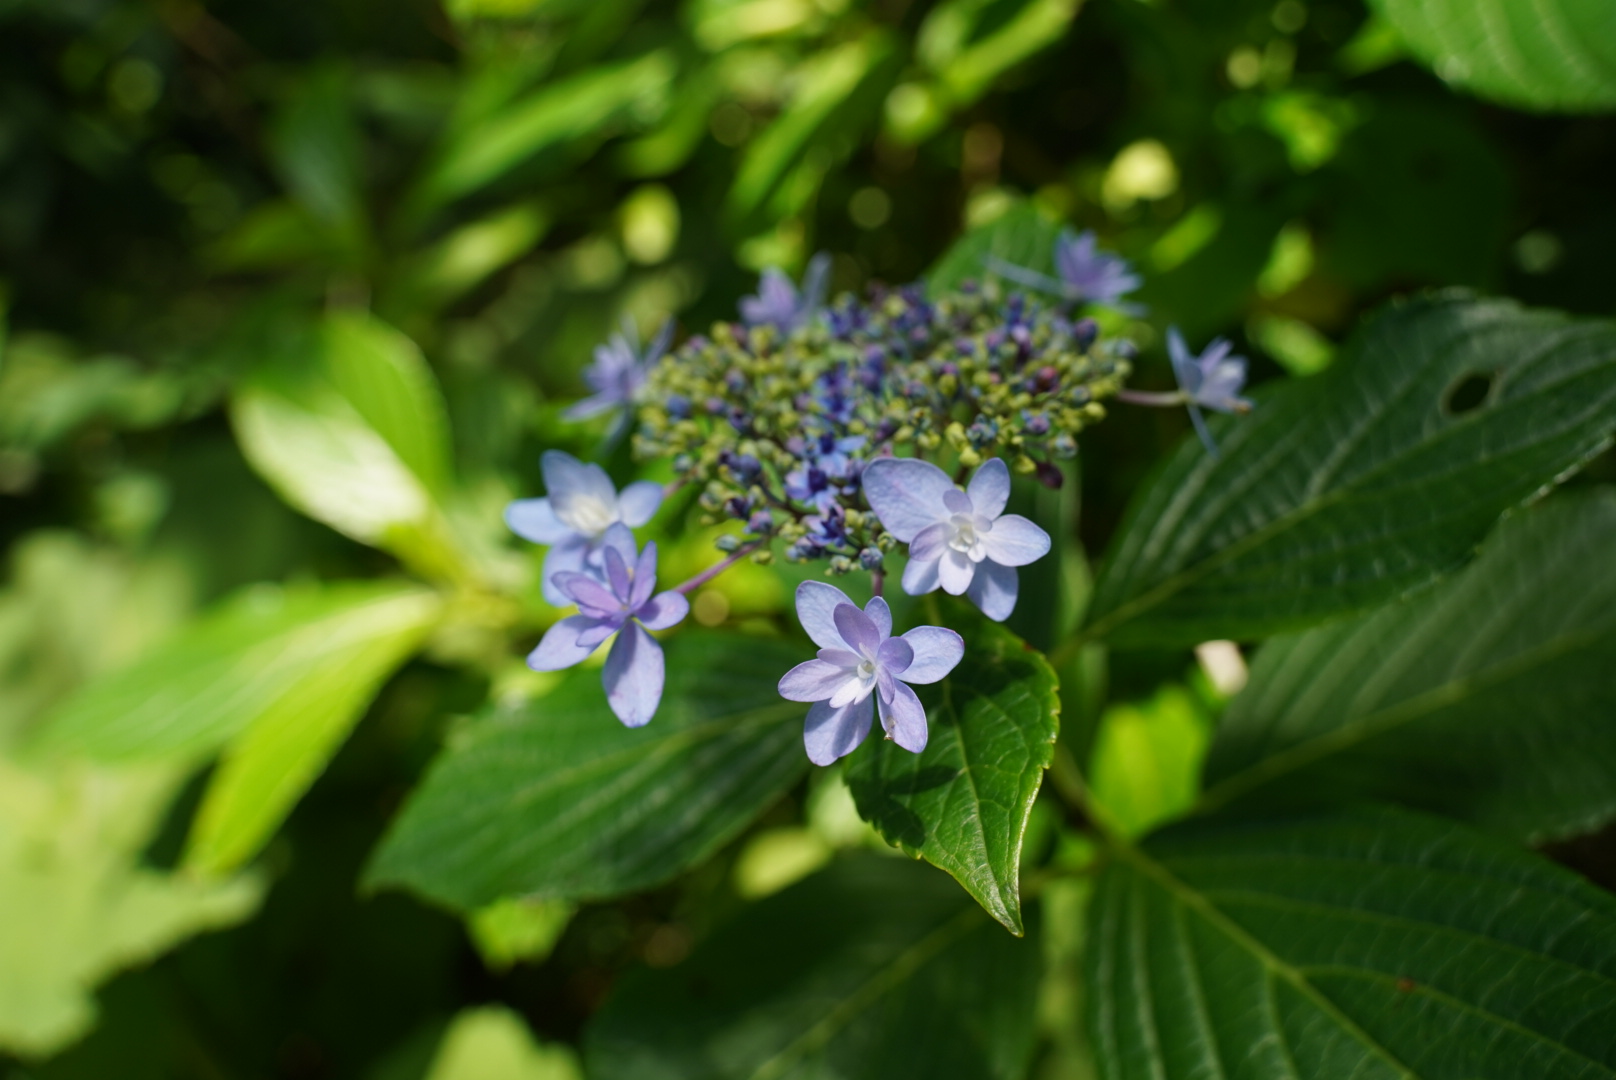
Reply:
x=876, y=577
x=717, y=568
x=1150, y=397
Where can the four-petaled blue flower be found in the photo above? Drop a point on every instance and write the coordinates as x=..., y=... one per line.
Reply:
x=581, y=506
x=860, y=664
x=779, y=304
x=961, y=540
x=1212, y=380
x=619, y=370
x=623, y=605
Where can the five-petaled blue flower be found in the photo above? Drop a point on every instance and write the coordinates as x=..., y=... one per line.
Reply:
x=860, y=664
x=619, y=370
x=961, y=540
x=779, y=304
x=581, y=506
x=623, y=605
x=1212, y=380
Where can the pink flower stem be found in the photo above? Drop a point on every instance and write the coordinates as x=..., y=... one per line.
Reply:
x=1147, y=397
x=717, y=568
x=876, y=577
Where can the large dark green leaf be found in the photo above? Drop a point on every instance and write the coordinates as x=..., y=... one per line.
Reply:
x=1023, y=236
x=1557, y=55
x=875, y=968
x=555, y=799
x=1349, y=488
x=1365, y=945
x=962, y=804
x=1489, y=698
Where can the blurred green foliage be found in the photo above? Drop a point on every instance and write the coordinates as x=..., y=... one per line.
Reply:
x=242, y=245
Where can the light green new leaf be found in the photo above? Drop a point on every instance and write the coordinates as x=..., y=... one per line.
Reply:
x=1368, y=945
x=494, y=1043
x=962, y=804
x=872, y=969
x=1489, y=698
x=967, y=64
x=1349, y=488
x=75, y=903
x=1023, y=236
x=356, y=436
x=1551, y=55
x=587, y=106
x=1147, y=760
x=554, y=799
x=828, y=87
x=210, y=683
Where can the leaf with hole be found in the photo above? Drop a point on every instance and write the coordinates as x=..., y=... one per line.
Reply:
x=962, y=804
x=1488, y=698
x=1354, y=946
x=1346, y=489
x=1551, y=55
x=872, y=969
x=554, y=799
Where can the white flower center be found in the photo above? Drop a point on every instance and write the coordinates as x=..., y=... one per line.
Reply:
x=966, y=531
x=587, y=515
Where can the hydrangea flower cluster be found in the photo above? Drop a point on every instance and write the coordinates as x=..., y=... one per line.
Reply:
x=840, y=433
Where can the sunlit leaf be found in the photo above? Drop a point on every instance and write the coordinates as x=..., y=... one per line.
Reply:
x=968, y=62
x=1551, y=55
x=1488, y=698
x=493, y=1043
x=1147, y=760
x=963, y=803
x=553, y=798
x=1366, y=944
x=1351, y=487
x=873, y=968
x=1023, y=236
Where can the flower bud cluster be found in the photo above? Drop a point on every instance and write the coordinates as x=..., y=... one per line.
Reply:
x=776, y=427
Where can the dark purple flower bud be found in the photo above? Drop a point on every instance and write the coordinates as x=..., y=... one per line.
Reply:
x=1049, y=475
x=1035, y=423
x=1084, y=333
x=760, y=523
x=738, y=507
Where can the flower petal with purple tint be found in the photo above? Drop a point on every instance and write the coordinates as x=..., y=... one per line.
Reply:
x=812, y=680
x=906, y=494
x=905, y=719
x=663, y=610
x=994, y=589
x=829, y=734
x=533, y=520
x=634, y=676
x=816, y=608
x=560, y=646
x=1015, y=541
x=937, y=650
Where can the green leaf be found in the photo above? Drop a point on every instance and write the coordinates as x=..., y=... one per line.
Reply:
x=966, y=62
x=1022, y=235
x=316, y=147
x=1147, y=760
x=255, y=656
x=1487, y=698
x=356, y=437
x=1346, y=489
x=962, y=804
x=554, y=799
x=874, y=968
x=494, y=1043
x=1364, y=945
x=1550, y=55
x=76, y=904
x=830, y=89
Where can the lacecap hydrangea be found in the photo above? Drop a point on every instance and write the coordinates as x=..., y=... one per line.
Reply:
x=847, y=434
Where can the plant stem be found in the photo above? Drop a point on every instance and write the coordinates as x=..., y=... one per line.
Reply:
x=876, y=578
x=717, y=568
x=1159, y=399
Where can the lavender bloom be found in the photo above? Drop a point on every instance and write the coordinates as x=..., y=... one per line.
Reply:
x=581, y=507
x=859, y=660
x=1212, y=380
x=961, y=540
x=1085, y=272
x=778, y=303
x=619, y=371
x=634, y=674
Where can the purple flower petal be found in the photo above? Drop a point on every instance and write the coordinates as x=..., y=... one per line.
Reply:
x=639, y=502
x=620, y=540
x=841, y=657
x=885, y=685
x=895, y=655
x=957, y=502
x=592, y=406
x=579, y=494
x=568, y=557
x=633, y=676
x=663, y=610
x=929, y=543
x=830, y=733
x=853, y=689
x=994, y=590
x=954, y=571
x=813, y=680
x=989, y=488
x=616, y=576
x=816, y=606
x=590, y=639
x=857, y=629
x=1015, y=541
x=906, y=494
x=532, y=519
x=905, y=719
x=644, y=577
x=936, y=652
x=920, y=576
x=560, y=647
x=881, y=615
